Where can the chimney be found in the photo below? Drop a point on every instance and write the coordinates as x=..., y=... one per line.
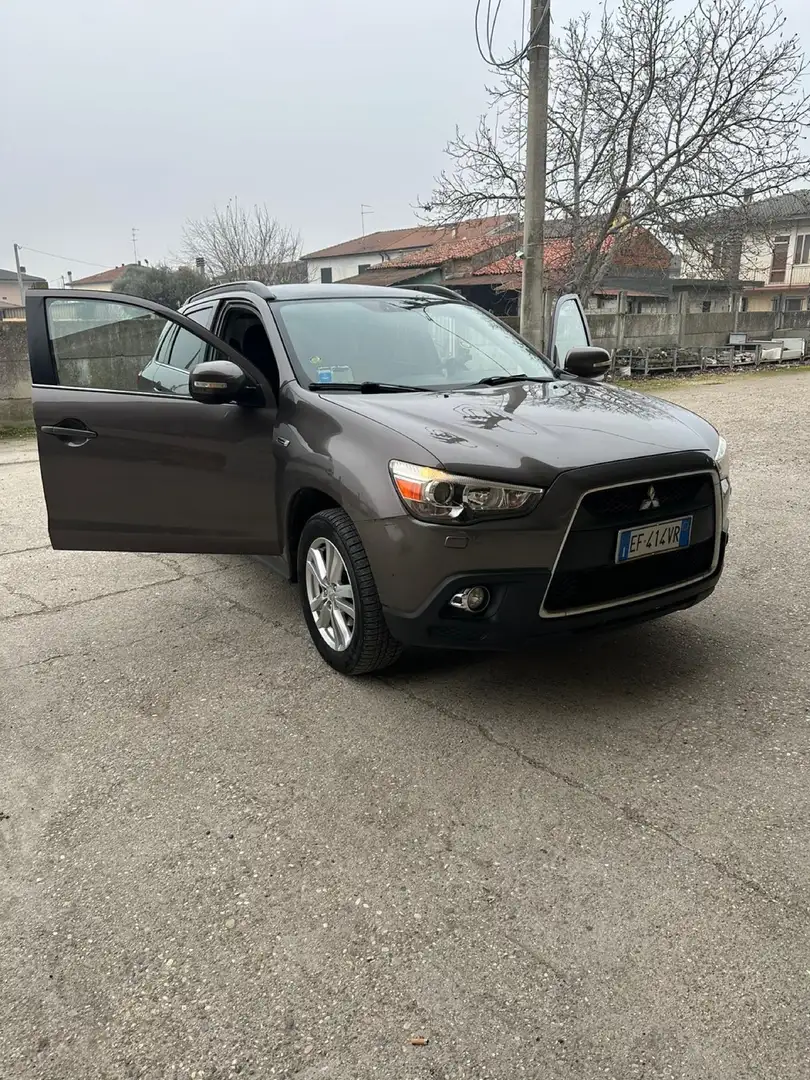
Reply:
x=70, y=277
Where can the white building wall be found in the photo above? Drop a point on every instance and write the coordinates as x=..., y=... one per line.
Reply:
x=100, y=286
x=346, y=266
x=757, y=257
x=10, y=291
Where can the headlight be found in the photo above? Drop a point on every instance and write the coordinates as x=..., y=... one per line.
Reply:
x=433, y=495
x=722, y=458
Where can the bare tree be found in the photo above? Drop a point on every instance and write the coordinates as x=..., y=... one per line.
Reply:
x=239, y=244
x=656, y=121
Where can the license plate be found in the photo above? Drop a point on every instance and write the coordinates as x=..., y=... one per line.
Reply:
x=653, y=539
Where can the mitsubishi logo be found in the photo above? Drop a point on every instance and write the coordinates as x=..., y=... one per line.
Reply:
x=650, y=501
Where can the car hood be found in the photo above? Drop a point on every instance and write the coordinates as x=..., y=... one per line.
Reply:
x=536, y=428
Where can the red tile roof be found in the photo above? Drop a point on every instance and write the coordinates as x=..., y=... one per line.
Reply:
x=451, y=249
x=389, y=273
x=556, y=254
x=420, y=236
x=106, y=277
x=638, y=252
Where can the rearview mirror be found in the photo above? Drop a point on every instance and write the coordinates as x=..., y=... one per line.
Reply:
x=587, y=363
x=218, y=382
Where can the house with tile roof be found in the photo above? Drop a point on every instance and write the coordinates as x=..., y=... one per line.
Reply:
x=102, y=282
x=346, y=260
x=764, y=247
x=10, y=298
x=487, y=269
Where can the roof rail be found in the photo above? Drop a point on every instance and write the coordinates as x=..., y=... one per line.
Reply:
x=436, y=290
x=249, y=286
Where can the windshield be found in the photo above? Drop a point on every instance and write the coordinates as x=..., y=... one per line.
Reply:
x=409, y=342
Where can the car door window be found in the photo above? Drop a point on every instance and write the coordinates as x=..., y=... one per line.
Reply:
x=107, y=345
x=186, y=350
x=570, y=329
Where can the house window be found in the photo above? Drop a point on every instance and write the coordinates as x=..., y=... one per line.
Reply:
x=361, y=269
x=802, y=256
x=793, y=303
x=743, y=303
x=779, y=261
x=706, y=307
x=326, y=275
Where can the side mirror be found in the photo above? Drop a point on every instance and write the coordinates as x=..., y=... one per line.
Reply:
x=588, y=363
x=218, y=382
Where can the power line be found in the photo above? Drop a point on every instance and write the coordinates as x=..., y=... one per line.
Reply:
x=487, y=50
x=65, y=258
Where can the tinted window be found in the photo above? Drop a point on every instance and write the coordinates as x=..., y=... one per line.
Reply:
x=105, y=344
x=187, y=350
x=102, y=344
x=204, y=316
x=416, y=342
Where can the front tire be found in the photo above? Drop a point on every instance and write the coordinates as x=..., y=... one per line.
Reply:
x=339, y=598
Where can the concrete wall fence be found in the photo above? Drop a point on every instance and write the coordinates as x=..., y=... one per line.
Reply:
x=15, y=375
x=104, y=356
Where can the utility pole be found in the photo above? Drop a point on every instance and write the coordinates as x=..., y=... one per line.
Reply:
x=20, y=281
x=532, y=297
x=135, y=242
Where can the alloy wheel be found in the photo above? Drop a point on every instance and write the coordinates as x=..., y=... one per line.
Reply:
x=330, y=594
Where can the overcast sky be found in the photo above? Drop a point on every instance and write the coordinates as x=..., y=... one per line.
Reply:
x=122, y=113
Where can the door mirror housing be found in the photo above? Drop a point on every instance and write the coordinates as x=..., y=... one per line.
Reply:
x=220, y=381
x=588, y=363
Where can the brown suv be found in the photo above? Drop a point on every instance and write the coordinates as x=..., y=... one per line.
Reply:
x=425, y=475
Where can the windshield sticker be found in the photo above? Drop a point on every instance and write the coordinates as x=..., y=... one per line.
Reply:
x=324, y=375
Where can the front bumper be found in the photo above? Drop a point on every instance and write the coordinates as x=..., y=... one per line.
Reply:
x=513, y=619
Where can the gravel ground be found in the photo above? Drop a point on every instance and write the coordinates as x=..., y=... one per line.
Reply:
x=219, y=859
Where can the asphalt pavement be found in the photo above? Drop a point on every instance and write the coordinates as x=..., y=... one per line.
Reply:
x=219, y=859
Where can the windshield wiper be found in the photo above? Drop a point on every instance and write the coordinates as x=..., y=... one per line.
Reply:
x=366, y=387
x=498, y=380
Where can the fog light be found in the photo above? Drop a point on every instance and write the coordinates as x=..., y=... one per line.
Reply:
x=473, y=600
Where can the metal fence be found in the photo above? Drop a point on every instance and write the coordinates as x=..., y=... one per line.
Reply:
x=640, y=362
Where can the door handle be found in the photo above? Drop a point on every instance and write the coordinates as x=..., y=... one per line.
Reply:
x=74, y=434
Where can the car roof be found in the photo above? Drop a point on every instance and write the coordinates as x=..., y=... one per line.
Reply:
x=315, y=291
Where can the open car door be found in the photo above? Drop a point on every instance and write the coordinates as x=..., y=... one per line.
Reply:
x=570, y=348
x=130, y=466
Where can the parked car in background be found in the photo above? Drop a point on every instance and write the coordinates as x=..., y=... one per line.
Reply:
x=424, y=475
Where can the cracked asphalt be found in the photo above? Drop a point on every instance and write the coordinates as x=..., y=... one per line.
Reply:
x=220, y=859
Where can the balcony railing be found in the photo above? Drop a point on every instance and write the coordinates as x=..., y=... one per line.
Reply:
x=800, y=275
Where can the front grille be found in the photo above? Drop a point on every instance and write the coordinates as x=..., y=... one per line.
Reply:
x=603, y=584
x=587, y=574
x=676, y=493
